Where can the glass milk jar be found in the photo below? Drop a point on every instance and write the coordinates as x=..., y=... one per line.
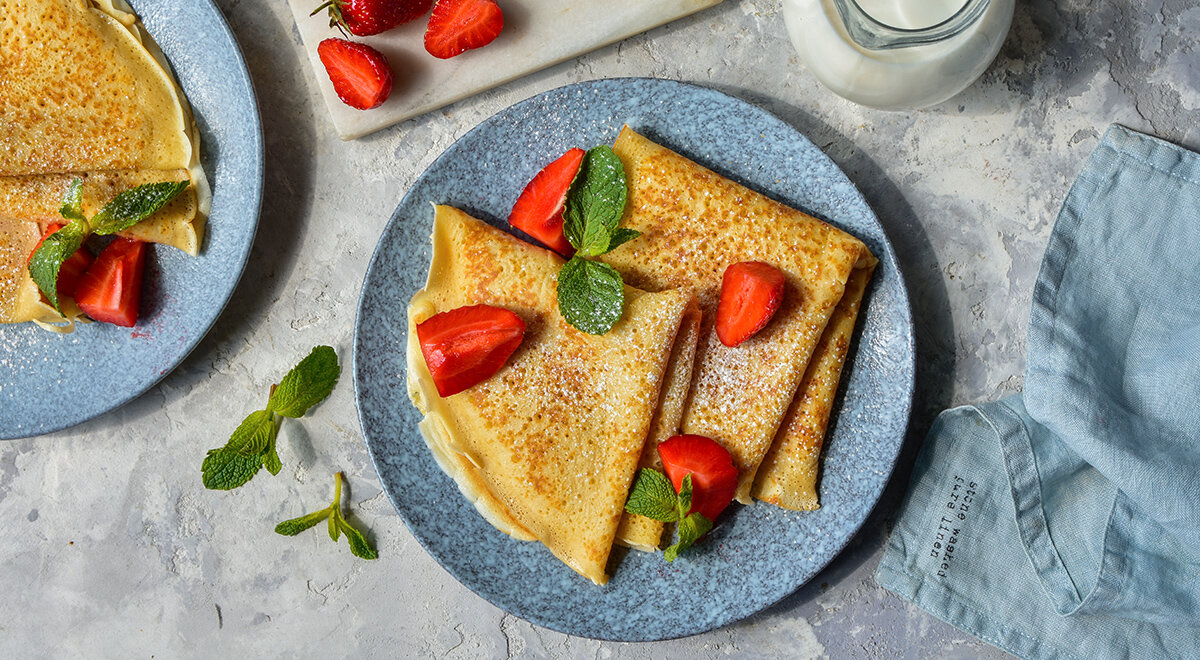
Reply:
x=897, y=54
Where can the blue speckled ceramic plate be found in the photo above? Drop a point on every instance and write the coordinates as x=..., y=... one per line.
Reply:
x=49, y=382
x=758, y=554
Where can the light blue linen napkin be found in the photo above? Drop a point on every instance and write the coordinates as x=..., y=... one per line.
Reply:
x=1065, y=522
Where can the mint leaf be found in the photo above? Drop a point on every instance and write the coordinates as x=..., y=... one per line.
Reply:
x=690, y=531
x=48, y=258
x=253, y=436
x=653, y=496
x=596, y=239
x=358, y=543
x=296, y=525
x=335, y=532
x=621, y=236
x=226, y=469
x=134, y=205
x=307, y=383
x=271, y=460
x=685, y=496
x=253, y=441
x=595, y=202
x=337, y=525
x=591, y=295
x=72, y=204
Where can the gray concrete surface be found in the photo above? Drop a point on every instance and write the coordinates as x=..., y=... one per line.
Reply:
x=113, y=548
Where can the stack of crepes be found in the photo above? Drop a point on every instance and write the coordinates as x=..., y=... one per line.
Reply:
x=85, y=93
x=548, y=448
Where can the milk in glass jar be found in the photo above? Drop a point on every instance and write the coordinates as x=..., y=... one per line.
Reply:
x=897, y=54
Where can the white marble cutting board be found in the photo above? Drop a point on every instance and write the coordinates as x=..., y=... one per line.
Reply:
x=537, y=34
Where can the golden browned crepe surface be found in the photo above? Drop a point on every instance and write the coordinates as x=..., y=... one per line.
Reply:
x=547, y=448
x=788, y=474
x=80, y=92
x=694, y=224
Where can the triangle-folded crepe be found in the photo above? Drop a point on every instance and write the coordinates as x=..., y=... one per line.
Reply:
x=640, y=532
x=788, y=474
x=694, y=223
x=547, y=448
x=86, y=93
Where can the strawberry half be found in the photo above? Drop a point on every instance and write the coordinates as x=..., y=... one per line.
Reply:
x=457, y=26
x=751, y=293
x=539, y=210
x=714, y=478
x=360, y=74
x=468, y=345
x=111, y=289
x=72, y=269
x=366, y=17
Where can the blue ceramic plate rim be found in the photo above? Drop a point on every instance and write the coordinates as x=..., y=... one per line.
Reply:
x=58, y=381
x=743, y=568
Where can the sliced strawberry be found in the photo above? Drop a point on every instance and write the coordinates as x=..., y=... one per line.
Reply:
x=460, y=25
x=468, y=345
x=539, y=210
x=751, y=293
x=366, y=17
x=111, y=289
x=714, y=478
x=71, y=269
x=360, y=74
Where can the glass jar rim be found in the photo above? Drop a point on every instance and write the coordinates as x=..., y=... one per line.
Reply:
x=871, y=33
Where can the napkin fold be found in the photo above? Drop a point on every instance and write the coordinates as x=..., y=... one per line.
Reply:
x=1065, y=522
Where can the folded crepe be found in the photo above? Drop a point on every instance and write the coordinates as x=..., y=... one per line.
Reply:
x=546, y=449
x=694, y=223
x=788, y=474
x=640, y=532
x=83, y=88
x=86, y=93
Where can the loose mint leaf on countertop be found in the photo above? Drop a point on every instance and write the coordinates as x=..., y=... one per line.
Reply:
x=595, y=202
x=296, y=525
x=591, y=295
x=48, y=258
x=134, y=205
x=338, y=525
x=226, y=469
x=307, y=384
x=252, y=444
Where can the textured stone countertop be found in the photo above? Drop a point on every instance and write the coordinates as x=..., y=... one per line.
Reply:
x=113, y=548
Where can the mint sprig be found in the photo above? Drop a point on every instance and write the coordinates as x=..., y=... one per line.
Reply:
x=337, y=524
x=122, y=212
x=47, y=260
x=252, y=444
x=654, y=497
x=132, y=206
x=595, y=202
x=591, y=295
